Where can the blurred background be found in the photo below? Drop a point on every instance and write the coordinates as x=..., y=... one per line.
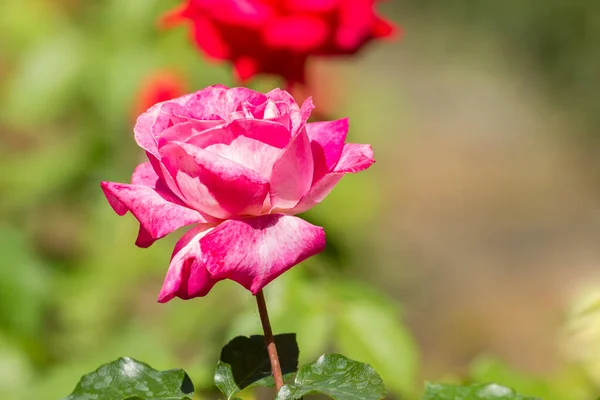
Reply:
x=469, y=251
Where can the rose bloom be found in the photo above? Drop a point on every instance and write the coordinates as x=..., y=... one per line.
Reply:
x=277, y=37
x=239, y=165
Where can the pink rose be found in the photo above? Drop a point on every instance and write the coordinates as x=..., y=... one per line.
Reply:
x=277, y=37
x=239, y=164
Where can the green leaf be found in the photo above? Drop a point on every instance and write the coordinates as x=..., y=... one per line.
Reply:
x=338, y=377
x=128, y=379
x=244, y=362
x=486, y=391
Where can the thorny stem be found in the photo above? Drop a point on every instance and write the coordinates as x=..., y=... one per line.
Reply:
x=269, y=340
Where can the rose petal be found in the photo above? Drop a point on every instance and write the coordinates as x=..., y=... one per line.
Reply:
x=209, y=39
x=251, y=251
x=206, y=105
x=158, y=118
x=245, y=67
x=354, y=158
x=255, y=251
x=292, y=173
x=314, y=6
x=158, y=212
x=255, y=144
x=187, y=277
x=327, y=142
x=301, y=33
x=356, y=18
x=144, y=174
x=213, y=184
x=242, y=12
x=385, y=29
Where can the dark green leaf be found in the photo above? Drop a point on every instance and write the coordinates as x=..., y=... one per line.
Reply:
x=128, y=379
x=486, y=391
x=244, y=362
x=338, y=377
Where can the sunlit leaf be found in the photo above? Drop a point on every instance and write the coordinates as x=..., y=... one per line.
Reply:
x=129, y=379
x=337, y=377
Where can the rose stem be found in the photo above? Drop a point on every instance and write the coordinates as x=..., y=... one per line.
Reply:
x=269, y=340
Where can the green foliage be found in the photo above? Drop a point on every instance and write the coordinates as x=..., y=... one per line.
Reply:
x=245, y=362
x=128, y=379
x=487, y=391
x=351, y=318
x=338, y=377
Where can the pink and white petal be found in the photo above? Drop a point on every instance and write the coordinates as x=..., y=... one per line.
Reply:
x=327, y=142
x=277, y=95
x=159, y=213
x=268, y=132
x=213, y=184
x=355, y=158
x=240, y=97
x=292, y=173
x=317, y=193
x=254, y=251
x=300, y=116
x=158, y=118
x=187, y=276
x=250, y=153
x=183, y=131
x=144, y=174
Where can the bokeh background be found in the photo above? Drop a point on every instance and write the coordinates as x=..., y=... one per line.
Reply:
x=469, y=251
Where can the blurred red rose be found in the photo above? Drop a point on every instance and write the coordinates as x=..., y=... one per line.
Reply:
x=157, y=87
x=277, y=36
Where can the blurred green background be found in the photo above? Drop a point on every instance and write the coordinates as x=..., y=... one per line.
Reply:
x=469, y=251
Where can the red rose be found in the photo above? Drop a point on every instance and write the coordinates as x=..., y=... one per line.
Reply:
x=277, y=36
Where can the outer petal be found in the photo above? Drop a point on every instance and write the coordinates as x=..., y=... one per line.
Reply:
x=207, y=105
x=144, y=174
x=240, y=12
x=312, y=5
x=187, y=277
x=208, y=39
x=356, y=18
x=327, y=142
x=213, y=184
x=292, y=173
x=354, y=158
x=255, y=251
x=158, y=212
x=301, y=33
